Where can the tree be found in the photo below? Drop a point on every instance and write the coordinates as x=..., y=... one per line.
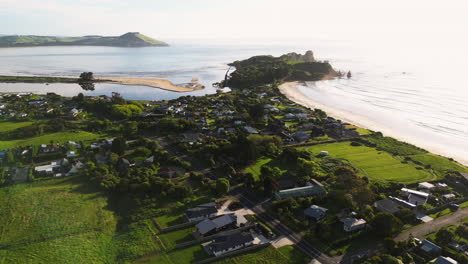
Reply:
x=386, y=224
x=119, y=146
x=130, y=129
x=86, y=81
x=9, y=157
x=444, y=236
x=222, y=186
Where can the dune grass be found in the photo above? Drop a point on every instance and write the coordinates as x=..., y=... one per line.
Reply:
x=376, y=165
x=66, y=221
x=59, y=137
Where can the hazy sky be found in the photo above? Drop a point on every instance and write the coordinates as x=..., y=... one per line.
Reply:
x=226, y=19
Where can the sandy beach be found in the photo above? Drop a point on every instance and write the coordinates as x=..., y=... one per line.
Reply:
x=156, y=83
x=290, y=90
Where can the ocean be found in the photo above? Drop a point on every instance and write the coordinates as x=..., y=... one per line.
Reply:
x=412, y=90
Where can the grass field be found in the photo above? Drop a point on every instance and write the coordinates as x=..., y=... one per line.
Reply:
x=377, y=165
x=176, y=237
x=181, y=256
x=438, y=163
x=60, y=137
x=66, y=221
x=6, y=126
x=255, y=168
x=269, y=255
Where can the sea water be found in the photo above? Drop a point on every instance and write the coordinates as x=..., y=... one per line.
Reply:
x=413, y=90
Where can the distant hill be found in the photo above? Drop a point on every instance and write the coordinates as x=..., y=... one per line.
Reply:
x=131, y=39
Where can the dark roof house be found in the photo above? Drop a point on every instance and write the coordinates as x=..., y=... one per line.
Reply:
x=202, y=211
x=225, y=244
x=315, y=211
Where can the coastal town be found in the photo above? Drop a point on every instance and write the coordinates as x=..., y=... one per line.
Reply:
x=238, y=175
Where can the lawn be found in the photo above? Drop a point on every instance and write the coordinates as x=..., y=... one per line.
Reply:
x=6, y=126
x=376, y=165
x=269, y=255
x=60, y=137
x=170, y=239
x=255, y=168
x=66, y=221
x=438, y=163
x=181, y=256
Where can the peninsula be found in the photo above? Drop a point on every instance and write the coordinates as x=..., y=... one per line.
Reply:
x=130, y=39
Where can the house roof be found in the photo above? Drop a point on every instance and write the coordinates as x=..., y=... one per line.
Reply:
x=315, y=211
x=352, y=222
x=445, y=260
x=226, y=242
x=219, y=222
x=387, y=205
x=202, y=210
x=428, y=246
x=416, y=199
x=250, y=130
x=425, y=185
x=415, y=192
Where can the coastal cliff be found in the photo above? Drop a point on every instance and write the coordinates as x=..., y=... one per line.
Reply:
x=130, y=39
x=263, y=70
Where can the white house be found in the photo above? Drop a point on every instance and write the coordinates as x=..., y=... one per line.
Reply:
x=425, y=186
x=353, y=224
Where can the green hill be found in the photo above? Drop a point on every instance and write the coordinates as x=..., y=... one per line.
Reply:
x=131, y=39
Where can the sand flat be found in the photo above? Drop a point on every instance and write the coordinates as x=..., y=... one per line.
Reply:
x=156, y=83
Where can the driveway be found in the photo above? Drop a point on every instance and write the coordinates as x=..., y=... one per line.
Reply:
x=420, y=230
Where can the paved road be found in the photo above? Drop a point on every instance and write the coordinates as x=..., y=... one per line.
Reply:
x=421, y=230
x=250, y=201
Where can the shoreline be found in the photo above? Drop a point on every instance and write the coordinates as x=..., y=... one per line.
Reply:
x=155, y=83
x=290, y=90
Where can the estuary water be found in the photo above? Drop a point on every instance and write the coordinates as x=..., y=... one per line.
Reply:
x=416, y=91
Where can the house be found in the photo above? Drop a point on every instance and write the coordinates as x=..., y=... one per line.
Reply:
x=201, y=212
x=425, y=186
x=209, y=227
x=316, y=212
x=70, y=154
x=441, y=185
x=449, y=196
x=250, y=130
x=302, y=116
x=49, y=148
x=430, y=248
x=301, y=136
x=73, y=144
x=314, y=188
x=74, y=112
x=224, y=244
x=289, y=116
x=387, y=205
x=415, y=197
x=49, y=169
x=459, y=247
x=2, y=105
x=353, y=224
x=444, y=260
